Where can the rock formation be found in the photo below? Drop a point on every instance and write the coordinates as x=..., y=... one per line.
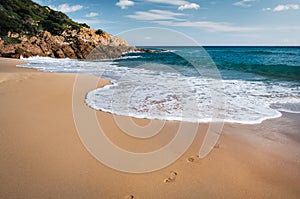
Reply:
x=76, y=44
x=29, y=29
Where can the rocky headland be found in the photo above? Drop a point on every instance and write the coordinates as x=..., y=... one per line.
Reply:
x=75, y=44
x=28, y=29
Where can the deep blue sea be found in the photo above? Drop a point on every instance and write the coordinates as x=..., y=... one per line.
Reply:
x=195, y=84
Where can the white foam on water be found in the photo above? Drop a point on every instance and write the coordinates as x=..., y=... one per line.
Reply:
x=128, y=57
x=164, y=94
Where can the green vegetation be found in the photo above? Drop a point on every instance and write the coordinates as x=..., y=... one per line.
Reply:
x=99, y=32
x=27, y=17
x=11, y=40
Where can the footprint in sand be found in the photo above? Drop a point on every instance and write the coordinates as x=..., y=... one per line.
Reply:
x=191, y=159
x=129, y=197
x=172, y=177
x=3, y=80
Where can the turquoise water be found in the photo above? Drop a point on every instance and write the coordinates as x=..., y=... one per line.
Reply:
x=269, y=62
x=231, y=84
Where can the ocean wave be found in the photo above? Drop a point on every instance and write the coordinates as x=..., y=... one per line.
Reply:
x=275, y=71
x=128, y=57
x=165, y=97
x=155, y=93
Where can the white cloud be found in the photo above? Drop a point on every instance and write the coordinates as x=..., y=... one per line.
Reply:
x=244, y=3
x=92, y=14
x=175, y=19
x=286, y=7
x=284, y=28
x=266, y=9
x=189, y=6
x=280, y=8
x=67, y=8
x=124, y=4
x=181, y=3
x=208, y=25
x=171, y=2
x=153, y=15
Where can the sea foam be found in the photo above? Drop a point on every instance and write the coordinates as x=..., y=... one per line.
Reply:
x=154, y=91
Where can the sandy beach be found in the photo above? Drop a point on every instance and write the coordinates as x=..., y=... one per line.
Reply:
x=41, y=154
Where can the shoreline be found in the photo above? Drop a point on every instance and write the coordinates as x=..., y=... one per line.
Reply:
x=266, y=107
x=257, y=121
x=42, y=155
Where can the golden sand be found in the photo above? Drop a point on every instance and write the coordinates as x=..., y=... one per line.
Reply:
x=41, y=154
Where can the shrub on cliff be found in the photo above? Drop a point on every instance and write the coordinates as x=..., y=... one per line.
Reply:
x=99, y=32
x=27, y=17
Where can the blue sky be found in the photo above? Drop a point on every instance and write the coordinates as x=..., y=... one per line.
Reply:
x=209, y=22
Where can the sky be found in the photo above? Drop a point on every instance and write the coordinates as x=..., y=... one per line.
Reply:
x=189, y=22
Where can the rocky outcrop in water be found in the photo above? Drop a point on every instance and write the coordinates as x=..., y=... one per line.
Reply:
x=75, y=44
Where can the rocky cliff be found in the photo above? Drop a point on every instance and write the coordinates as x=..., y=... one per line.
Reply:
x=76, y=44
x=28, y=29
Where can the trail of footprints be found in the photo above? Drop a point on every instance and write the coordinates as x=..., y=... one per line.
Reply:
x=191, y=159
x=173, y=174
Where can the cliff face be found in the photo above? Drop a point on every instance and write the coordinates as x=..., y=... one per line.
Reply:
x=76, y=44
x=28, y=29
